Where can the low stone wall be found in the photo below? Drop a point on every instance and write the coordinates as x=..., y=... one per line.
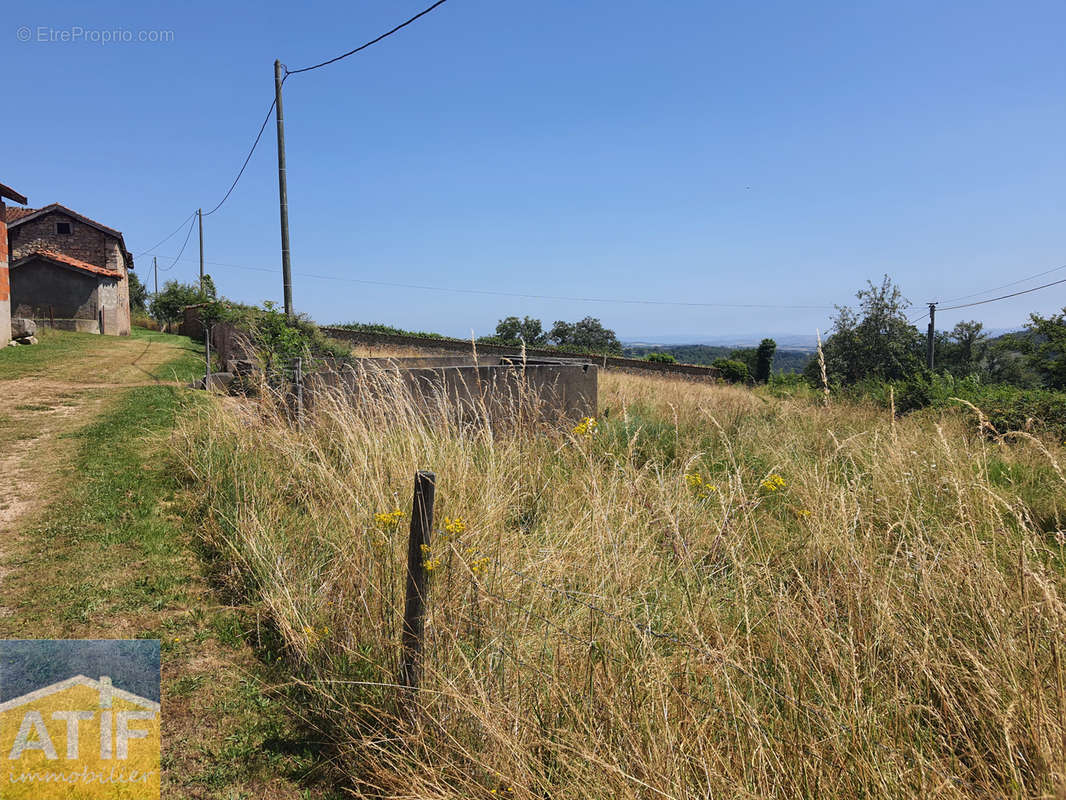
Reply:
x=458, y=346
x=503, y=392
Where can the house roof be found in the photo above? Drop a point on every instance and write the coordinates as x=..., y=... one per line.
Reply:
x=10, y=194
x=80, y=680
x=34, y=213
x=64, y=260
x=16, y=216
x=12, y=214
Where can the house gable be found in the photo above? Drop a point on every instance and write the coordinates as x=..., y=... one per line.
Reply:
x=58, y=228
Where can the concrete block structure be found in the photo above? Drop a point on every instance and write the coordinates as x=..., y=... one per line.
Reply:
x=501, y=390
x=68, y=270
x=6, y=193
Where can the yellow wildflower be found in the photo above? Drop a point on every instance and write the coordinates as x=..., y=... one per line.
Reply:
x=428, y=562
x=773, y=482
x=701, y=488
x=479, y=565
x=587, y=427
x=454, y=526
x=389, y=520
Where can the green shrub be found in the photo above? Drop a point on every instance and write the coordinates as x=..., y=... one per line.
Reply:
x=660, y=358
x=731, y=370
x=1005, y=407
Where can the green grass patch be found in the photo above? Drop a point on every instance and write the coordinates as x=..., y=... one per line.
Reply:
x=111, y=557
x=53, y=346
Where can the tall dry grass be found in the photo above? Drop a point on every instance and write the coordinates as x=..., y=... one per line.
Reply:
x=643, y=610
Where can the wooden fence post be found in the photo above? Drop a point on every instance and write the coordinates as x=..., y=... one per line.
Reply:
x=298, y=380
x=414, y=615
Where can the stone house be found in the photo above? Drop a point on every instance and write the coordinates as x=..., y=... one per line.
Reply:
x=68, y=270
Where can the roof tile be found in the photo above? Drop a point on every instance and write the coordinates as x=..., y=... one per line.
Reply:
x=11, y=214
x=62, y=258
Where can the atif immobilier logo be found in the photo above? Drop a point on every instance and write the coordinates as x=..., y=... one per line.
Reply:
x=79, y=719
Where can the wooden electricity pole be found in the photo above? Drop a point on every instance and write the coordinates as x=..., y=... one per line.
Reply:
x=200, y=217
x=155, y=269
x=283, y=192
x=931, y=334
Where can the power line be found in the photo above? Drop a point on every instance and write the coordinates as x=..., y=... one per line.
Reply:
x=1005, y=296
x=420, y=14
x=523, y=295
x=187, y=235
x=248, y=158
x=167, y=237
x=1004, y=286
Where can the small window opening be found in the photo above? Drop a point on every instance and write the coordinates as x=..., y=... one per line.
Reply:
x=63, y=228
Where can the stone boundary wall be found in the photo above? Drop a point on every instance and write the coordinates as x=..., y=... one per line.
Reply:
x=460, y=346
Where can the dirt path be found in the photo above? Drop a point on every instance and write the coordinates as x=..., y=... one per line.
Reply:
x=36, y=411
x=98, y=539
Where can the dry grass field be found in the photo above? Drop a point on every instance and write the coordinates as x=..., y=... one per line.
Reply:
x=708, y=592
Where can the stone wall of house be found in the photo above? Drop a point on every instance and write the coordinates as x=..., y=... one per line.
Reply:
x=5, y=287
x=84, y=241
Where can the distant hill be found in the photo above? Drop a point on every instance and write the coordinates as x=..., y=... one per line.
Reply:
x=786, y=341
x=704, y=354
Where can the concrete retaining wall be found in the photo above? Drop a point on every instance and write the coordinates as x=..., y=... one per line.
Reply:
x=429, y=345
x=544, y=393
x=78, y=325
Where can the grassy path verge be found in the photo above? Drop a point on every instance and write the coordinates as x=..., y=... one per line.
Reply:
x=108, y=554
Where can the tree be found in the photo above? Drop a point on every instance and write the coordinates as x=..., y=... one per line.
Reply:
x=167, y=306
x=1047, y=354
x=138, y=294
x=876, y=341
x=764, y=360
x=731, y=370
x=588, y=334
x=746, y=355
x=512, y=330
x=965, y=348
x=659, y=357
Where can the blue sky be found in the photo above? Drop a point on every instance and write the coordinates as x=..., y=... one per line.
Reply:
x=773, y=153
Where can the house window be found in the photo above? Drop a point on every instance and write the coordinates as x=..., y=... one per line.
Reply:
x=63, y=228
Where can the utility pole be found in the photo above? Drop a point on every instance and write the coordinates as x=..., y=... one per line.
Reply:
x=283, y=192
x=155, y=269
x=931, y=334
x=200, y=217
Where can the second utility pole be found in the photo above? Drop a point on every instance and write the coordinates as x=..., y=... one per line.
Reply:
x=283, y=192
x=200, y=217
x=931, y=334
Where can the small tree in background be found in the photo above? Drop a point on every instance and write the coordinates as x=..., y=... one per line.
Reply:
x=1047, y=354
x=167, y=306
x=512, y=330
x=588, y=334
x=764, y=360
x=138, y=294
x=660, y=358
x=745, y=355
x=731, y=370
x=876, y=341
